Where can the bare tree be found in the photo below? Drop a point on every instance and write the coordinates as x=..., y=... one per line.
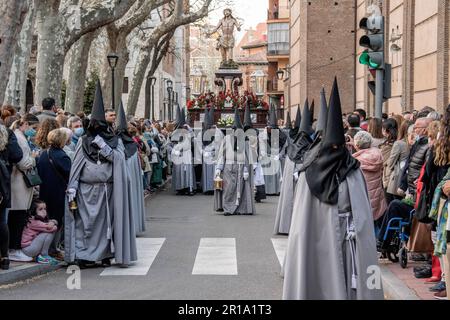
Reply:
x=12, y=16
x=180, y=16
x=61, y=23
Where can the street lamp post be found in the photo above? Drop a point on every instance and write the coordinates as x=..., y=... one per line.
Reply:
x=112, y=60
x=152, y=81
x=169, y=93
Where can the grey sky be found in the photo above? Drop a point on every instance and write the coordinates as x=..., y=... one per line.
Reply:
x=251, y=12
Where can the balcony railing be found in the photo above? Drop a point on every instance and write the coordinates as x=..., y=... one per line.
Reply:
x=272, y=85
x=279, y=52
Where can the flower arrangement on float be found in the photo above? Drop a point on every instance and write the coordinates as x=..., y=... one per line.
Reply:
x=226, y=100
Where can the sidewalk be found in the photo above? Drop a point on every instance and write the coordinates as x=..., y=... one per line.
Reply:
x=400, y=284
x=21, y=271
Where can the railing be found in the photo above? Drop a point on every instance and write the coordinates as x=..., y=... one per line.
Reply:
x=272, y=85
x=280, y=52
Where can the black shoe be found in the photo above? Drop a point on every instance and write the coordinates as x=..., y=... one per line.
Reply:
x=106, y=263
x=4, y=264
x=421, y=269
x=227, y=214
x=440, y=286
x=84, y=264
x=423, y=274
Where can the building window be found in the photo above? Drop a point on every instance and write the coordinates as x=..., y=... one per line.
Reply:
x=125, y=85
x=278, y=39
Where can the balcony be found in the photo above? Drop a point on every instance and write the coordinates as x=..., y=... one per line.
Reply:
x=275, y=85
x=278, y=52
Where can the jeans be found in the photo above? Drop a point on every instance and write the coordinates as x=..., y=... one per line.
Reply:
x=397, y=209
x=40, y=245
x=4, y=232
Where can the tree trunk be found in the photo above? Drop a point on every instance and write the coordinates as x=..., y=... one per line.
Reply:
x=17, y=85
x=78, y=64
x=118, y=45
x=138, y=80
x=51, y=53
x=12, y=15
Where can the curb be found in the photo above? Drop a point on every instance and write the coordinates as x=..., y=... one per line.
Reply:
x=25, y=272
x=394, y=288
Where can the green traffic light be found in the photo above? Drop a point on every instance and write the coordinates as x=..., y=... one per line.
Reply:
x=365, y=59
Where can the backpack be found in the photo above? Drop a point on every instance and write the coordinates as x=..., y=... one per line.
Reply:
x=5, y=184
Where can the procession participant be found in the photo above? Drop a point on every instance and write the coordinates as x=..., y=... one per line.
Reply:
x=272, y=162
x=331, y=226
x=208, y=154
x=296, y=150
x=237, y=172
x=98, y=223
x=183, y=174
x=136, y=187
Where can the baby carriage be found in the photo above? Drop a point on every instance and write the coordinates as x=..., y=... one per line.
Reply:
x=397, y=250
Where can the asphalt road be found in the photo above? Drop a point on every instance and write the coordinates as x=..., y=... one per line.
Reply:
x=182, y=221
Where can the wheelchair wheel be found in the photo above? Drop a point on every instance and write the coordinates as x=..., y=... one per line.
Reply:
x=403, y=254
x=392, y=256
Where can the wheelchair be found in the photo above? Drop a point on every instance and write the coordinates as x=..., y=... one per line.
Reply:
x=397, y=250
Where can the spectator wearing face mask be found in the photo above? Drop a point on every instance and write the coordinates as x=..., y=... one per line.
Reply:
x=75, y=124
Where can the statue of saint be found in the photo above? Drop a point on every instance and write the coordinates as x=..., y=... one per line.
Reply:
x=225, y=43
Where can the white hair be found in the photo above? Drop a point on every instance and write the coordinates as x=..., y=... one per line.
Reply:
x=363, y=140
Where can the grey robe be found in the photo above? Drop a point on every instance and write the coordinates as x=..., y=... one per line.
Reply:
x=318, y=264
x=208, y=168
x=103, y=225
x=272, y=165
x=286, y=200
x=183, y=173
x=136, y=192
x=237, y=194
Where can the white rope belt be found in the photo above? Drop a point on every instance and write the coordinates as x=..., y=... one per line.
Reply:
x=350, y=236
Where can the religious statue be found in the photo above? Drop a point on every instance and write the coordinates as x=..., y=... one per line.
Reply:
x=226, y=41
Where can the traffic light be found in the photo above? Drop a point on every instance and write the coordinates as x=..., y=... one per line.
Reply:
x=386, y=83
x=373, y=56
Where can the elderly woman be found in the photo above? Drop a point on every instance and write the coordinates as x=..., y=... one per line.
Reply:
x=371, y=160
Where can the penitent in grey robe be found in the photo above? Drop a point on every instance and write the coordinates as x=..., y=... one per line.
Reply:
x=208, y=168
x=286, y=200
x=319, y=263
x=237, y=195
x=103, y=225
x=183, y=174
x=136, y=192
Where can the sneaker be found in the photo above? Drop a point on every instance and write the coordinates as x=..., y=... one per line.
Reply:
x=438, y=287
x=18, y=255
x=441, y=295
x=52, y=261
x=42, y=259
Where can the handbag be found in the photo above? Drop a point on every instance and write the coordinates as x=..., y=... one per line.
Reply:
x=31, y=178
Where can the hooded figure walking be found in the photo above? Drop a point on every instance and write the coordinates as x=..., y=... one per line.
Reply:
x=294, y=159
x=331, y=252
x=233, y=163
x=102, y=227
x=136, y=188
x=208, y=153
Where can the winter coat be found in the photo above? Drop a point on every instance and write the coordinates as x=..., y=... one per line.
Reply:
x=33, y=229
x=372, y=167
x=21, y=195
x=386, y=149
x=396, y=163
x=417, y=159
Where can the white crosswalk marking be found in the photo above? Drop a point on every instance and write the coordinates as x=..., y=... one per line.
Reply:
x=147, y=249
x=280, y=246
x=216, y=256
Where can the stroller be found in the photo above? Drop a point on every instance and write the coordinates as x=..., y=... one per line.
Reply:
x=397, y=250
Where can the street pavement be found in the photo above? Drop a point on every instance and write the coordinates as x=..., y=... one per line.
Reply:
x=189, y=252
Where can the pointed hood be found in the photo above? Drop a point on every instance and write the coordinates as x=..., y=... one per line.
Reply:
x=181, y=118
x=207, y=123
x=237, y=120
x=211, y=115
x=122, y=131
x=323, y=114
x=298, y=117
x=306, y=124
x=311, y=111
x=247, y=118
x=98, y=109
x=335, y=128
x=273, y=121
x=288, y=121
x=333, y=162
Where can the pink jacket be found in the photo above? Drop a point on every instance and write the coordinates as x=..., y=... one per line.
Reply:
x=33, y=229
x=372, y=167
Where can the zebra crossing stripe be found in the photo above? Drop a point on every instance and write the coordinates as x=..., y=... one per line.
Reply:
x=280, y=246
x=216, y=256
x=147, y=249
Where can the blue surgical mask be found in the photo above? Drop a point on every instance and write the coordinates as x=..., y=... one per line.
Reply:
x=79, y=132
x=30, y=133
x=417, y=138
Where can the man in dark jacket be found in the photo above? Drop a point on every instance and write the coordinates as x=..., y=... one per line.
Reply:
x=10, y=153
x=416, y=160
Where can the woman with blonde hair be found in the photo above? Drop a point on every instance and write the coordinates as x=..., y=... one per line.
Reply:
x=42, y=134
x=54, y=169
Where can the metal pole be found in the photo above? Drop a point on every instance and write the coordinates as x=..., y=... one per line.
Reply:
x=170, y=107
x=379, y=94
x=153, y=102
x=113, y=98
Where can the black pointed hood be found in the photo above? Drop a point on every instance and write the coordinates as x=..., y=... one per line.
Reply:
x=306, y=124
x=122, y=132
x=247, y=118
x=288, y=121
x=211, y=115
x=298, y=117
x=181, y=119
x=237, y=120
x=273, y=121
x=334, y=162
x=206, y=120
x=311, y=111
x=98, y=126
x=323, y=114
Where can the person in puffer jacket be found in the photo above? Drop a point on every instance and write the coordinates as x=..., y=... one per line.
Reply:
x=371, y=160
